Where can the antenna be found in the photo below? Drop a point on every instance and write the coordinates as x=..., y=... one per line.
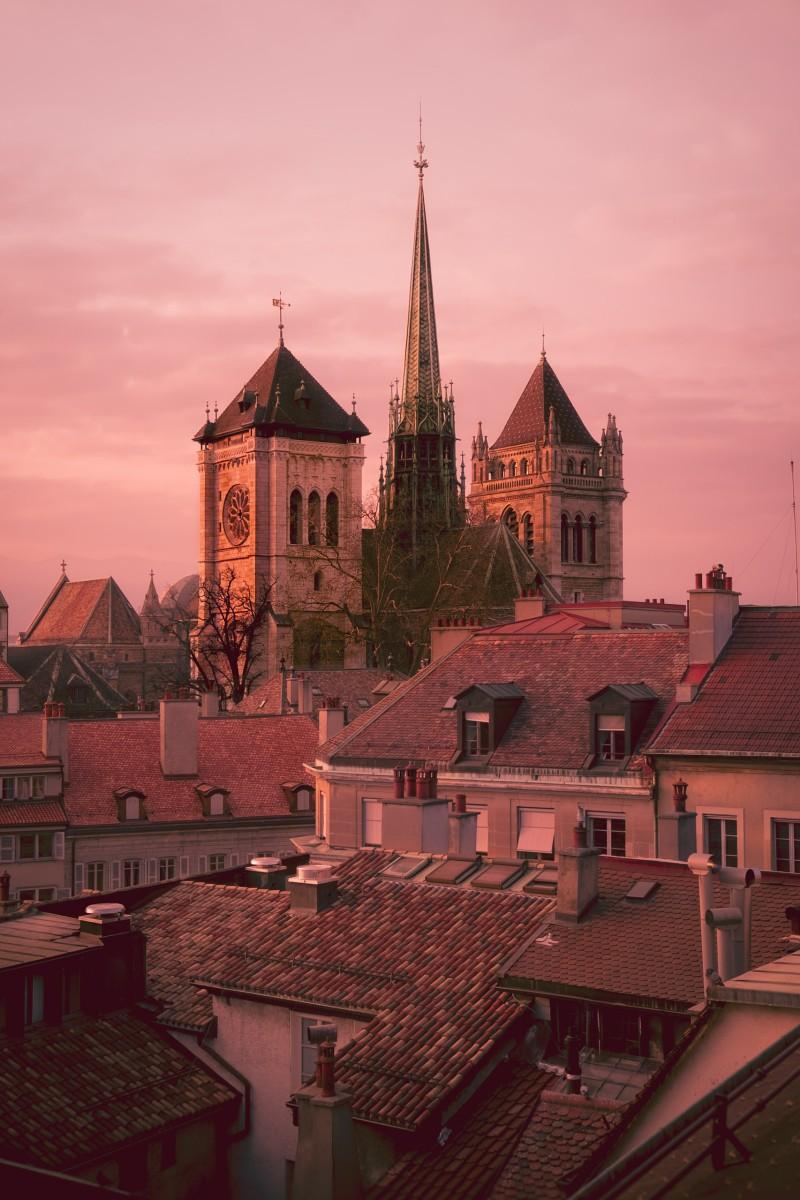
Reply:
x=281, y=304
x=794, y=519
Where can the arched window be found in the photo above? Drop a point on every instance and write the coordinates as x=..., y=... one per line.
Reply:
x=510, y=519
x=527, y=532
x=332, y=519
x=564, y=537
x=512, y=469
x=593, y=539
x=523, y=466
x=313, y=519
x=584, y=466
x=318, y=581
x=577, y=539
x=501, y=470
x=570, y=468
x=295, y=517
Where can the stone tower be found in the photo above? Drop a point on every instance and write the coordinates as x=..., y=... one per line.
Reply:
x=420, y=490
x=280, y=504
x=558, y=490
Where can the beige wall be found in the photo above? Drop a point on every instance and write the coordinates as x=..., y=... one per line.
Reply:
x=754, y=794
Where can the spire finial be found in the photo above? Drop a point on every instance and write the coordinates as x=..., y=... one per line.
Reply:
x=152, y=573
x=63, y=566
x=544, y=352
x=421, y=162
x=354, y=402
x=280, y=304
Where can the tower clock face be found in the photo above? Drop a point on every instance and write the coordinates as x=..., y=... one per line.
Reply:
x=236, y=515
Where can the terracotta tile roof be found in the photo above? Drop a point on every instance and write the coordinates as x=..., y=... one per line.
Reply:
x=531, y=413
x=647, y=950
x=422, y=961
x=21, y=741
x=352, y=685
x=251, y=757
x=79, y=612
x=273, y=400
x=562, y=1132
x=8, y=676
x=486, y=1132
x=31, y=812
x=77, y=1092
x=749, y=703
x=556, y=674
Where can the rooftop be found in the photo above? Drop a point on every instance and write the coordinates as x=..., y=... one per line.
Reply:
x=37, y=937
x=91, y=610
x=749, y=704
x=354, y=686
x=530, y=415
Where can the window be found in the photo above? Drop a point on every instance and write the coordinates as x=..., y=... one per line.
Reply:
x=34, y=999
x=131, y=872
x=8, y=787
x=133, y=808
x=722, y=840
x=564, y=538
x=332, y=519
x=786, y=845
x=610, y=737
x=41, y=895
x=313, y=519
x=482, y=836
x=577, y=539
x=166, y=869
x=303, y=802
x=216, y=862
x=510, y=520
x=372, y=823
x=584, y=466
x=523, y=466
x=295, y=517
x=512, y=469
x=592, y=539
x=23, y=787
x=607, y=834
x=216, y=804
x=318, y=581
x=95, y=876
x=308, y=1051
x=570, y=466
x=476, y=734
x=535, y=832
x=36, y=845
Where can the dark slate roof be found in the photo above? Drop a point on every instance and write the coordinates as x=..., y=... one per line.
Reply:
x=48, y=672
x=284, y=396
x=628, y=691
x=750, y=702
x=531, y=413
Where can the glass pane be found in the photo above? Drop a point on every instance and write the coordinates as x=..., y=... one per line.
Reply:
x=782, y=853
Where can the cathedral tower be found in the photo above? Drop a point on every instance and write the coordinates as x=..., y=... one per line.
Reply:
x=280, y=504
x=557, y=489
x=420, y=490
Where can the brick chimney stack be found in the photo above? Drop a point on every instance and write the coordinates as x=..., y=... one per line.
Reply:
x=713, y=608
x=179, y=736
x=578, y=886
x=332, y=718
x=326, y=1166
x=55, y=736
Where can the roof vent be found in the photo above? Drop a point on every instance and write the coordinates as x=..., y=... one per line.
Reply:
x=264, y=863
x=313, y=889
x=105, y=912
x=104, y=920
x=266, y=872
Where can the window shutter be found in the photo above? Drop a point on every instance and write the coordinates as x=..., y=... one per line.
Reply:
x=610, y=721
x=79, y=884
x=58, y=845
x=152, y=870
x=202, y=864
x=116, y=875
x=6, y=848
x=234, y=860
x=184, y=865
x=536, y=831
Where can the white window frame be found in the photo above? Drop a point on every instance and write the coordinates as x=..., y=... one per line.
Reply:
x=482, y=832
x=216, y=804
x=211, y=866
x=164, y=868
x=92, y=869
x=371, y=822
x=129, y=866
x=38, y=856
x=133, y=808
x=708, y=817
x=591, y=817
x=790, y=819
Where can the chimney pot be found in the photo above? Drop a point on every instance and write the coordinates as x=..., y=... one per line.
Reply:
x=399, y=782
x=698, y=581
x=411, y=780
x=422, y=784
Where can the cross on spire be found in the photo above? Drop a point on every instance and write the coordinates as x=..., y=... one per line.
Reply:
x=421, y=162
x=280, y=304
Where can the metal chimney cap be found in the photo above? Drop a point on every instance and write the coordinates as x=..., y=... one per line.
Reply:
x=317, y=1034
x=264, y=863
x=106, y=912
x=318, y=873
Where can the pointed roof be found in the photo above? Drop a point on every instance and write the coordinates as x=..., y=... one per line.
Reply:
x=421, y=379
x=49, y=673
x=151, y=602
x=542, y=394
x=91, y=610
x=284, y=396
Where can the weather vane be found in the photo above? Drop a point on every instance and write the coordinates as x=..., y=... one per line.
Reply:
x=421, y=162
x=280, y=304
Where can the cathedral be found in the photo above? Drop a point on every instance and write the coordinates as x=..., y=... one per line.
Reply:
x=281, y=500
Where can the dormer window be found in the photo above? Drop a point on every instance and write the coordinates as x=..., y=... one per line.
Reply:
x=214, y=800
x=476, y=734
x=610, y=737
x=130, y=804
x=483, y=714
x=618, y=717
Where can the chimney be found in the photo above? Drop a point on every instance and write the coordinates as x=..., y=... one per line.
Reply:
x=120, y=978
x=712, y=612
x=55, y=736
x=209, y=703
x=577, y=878
x=462, y=829
x=326, y=1165
x=528, y=606
x=305, y=695
x=677, y=830
x=417, y=824
x=572, y=1047
x=179, y=732
x=732, y=923
x=267, y=873
x=332, y=718
x=313, y=889
x=292, y=690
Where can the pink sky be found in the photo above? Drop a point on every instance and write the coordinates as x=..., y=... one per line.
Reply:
x=625, y=174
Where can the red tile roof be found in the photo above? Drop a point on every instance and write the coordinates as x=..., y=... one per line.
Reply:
x=485, y=1134
x=651, y=949
x=77, y=1092
x=251, y=757
x=531, y=413
x=21, y=741
x=556, y=674
x=562, y=1132
x=422, y=961
x=750, y=701
x=31, y=812
x=79, y=612
x=8, y=676
x=351, y=685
